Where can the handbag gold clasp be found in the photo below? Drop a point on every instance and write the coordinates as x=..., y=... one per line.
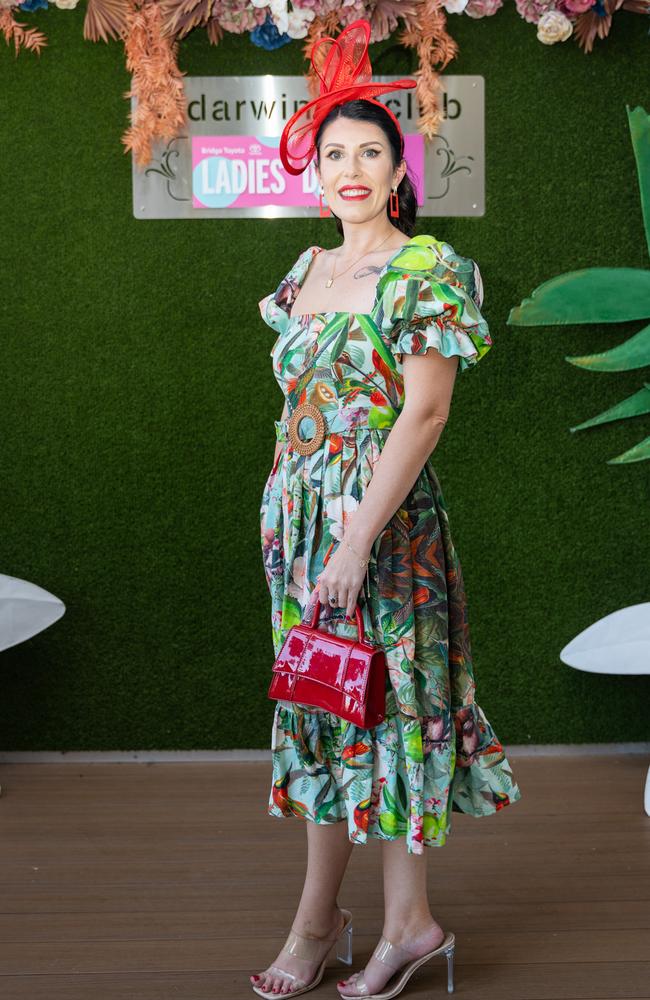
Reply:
x=308, y=446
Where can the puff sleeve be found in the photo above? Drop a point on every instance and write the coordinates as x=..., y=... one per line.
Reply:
x=272, y=313
x=276, y=306
x=431, y=297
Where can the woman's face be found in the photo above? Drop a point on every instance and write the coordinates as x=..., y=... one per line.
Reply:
x=356, y=153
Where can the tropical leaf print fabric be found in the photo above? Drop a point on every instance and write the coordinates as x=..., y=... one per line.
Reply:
x=435, y=751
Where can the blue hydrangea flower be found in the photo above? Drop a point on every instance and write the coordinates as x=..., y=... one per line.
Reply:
x=33, y=5
x=267, y=36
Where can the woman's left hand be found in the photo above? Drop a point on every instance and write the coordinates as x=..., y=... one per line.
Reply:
x=342, y=578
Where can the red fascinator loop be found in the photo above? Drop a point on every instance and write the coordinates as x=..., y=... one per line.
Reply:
x=346, y=76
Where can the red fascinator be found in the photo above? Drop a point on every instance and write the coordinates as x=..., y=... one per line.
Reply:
x=346, y=76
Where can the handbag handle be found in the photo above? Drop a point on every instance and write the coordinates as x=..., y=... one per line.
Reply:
x=357, y=610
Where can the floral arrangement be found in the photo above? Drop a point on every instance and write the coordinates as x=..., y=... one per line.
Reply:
x=150, y=30
x=276, y=23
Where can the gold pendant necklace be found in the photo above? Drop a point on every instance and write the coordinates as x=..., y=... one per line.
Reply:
x=328, y=283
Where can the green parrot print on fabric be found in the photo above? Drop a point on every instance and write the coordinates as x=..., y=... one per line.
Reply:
x=435, y=751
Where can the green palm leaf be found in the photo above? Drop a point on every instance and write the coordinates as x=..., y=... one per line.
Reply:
x=634, y=406
x=638, y=453
x=638, y=122
x=591, y=295
x=632, y=353
x=605, y=295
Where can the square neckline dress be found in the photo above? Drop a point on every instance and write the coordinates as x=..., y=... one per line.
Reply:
x=435, y=752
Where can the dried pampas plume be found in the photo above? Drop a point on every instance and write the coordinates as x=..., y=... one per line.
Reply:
x=428, y=36
x=14, y=31
x=156, y=82
x=182, y=16
x=105, y=19
x=590, y=24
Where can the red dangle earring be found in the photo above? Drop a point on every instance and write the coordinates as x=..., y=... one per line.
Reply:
x=328, y=211
x=393, y=203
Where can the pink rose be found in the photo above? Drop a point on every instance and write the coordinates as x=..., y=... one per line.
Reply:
x=574, y=7
x=482, y=8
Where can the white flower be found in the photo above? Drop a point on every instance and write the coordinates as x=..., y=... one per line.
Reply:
x=298, y=21
x=553, y=27
x=338, y=511
x=455, y=6
x=293, y=23
x=279, y=15
x=296, y=586
x=66, y=4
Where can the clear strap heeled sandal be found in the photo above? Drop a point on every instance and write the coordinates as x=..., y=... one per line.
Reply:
x=309, y=949
x=399, y=960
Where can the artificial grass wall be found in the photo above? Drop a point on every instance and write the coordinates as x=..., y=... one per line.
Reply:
x=138, y=404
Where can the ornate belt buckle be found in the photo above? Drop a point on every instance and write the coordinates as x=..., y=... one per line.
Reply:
x=306, y=447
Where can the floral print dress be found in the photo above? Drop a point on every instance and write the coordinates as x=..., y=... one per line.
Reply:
x=435, y=751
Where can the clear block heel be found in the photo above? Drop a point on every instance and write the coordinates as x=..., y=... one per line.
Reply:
x=344, y=946
x=449, y=954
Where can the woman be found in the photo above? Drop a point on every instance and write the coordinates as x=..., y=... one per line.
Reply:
x=372, y=333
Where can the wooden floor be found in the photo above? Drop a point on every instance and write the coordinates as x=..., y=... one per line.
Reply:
x=163, y=881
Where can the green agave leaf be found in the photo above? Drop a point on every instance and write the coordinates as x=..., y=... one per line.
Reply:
x=639, y=123
x=590, y=295
x=635, y=405
x=639, y=453
x=632, y=353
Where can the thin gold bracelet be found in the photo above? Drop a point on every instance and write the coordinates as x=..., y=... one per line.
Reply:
x=363, y=562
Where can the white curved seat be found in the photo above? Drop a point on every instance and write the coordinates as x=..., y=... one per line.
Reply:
x=25, y=610
x=619, y=643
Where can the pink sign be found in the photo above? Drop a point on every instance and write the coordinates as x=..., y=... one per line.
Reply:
x=231, y=171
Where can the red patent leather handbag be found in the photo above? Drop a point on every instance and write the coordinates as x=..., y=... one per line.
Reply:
x=340, y=675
